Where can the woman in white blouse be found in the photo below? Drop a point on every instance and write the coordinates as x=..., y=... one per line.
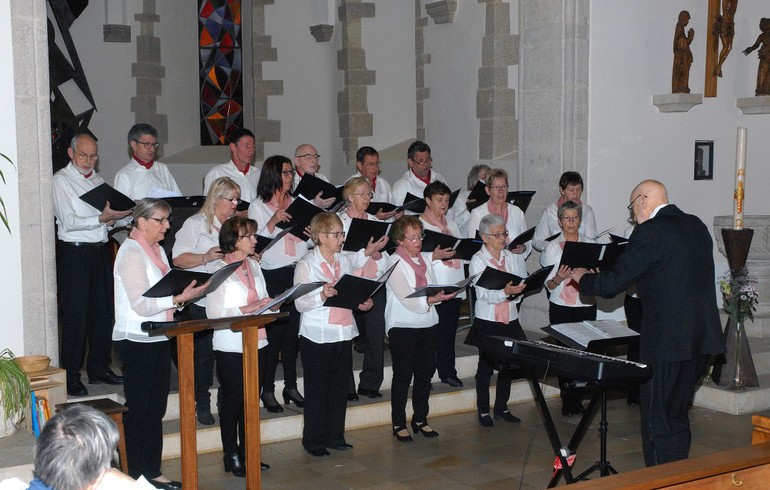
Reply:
x=196, y=246
x=570, y=189
x=448, y=271
x=139, y=264
x=242, y=293
x=269, y=209
x=368, y=262
x=411, y=324
x=496, y=313
x=566, y=304
x=326, y=336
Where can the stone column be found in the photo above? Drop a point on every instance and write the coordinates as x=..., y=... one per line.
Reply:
x=149, y=73
x=420, y=60
x=354, y=117
x=35, y=172
x=265, y=129
x=495, y=101
x=553, y=106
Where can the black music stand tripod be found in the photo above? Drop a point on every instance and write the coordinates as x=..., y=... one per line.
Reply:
x=604, y=466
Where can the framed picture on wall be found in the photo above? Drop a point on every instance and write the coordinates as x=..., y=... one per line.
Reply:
x=704, y=160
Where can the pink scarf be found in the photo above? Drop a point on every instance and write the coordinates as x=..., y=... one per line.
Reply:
x=369, y=270
x=419, y=268
x=337, y=316
x=242, y=273
x=289, y=241
x=502, y=310
x=153, y=252
x=570, y=291
x=443, y=226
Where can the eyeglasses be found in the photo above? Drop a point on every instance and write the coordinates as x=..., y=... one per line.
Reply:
x=148, y=144
x=163, y=221
x=309, y=156
x=233, y=200
x=287, y=173
x=427, y=161
x=417, y=238
x=498, y=235
x=87, y=157
x=370, y=195
x=499, y=187
x=335, y=234
x=630, y=206
x=371, y=164
x=571, y=219
x=253, y=235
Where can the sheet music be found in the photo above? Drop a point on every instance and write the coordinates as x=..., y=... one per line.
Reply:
x=586, y=331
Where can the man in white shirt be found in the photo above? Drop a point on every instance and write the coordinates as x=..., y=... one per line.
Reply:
x=306, y=159
x=84, y=269
x=143, y=176
x=240, y=168
x=368, y=165
x=419, y=175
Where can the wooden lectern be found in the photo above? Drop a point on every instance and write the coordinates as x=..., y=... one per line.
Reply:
x=183, y=331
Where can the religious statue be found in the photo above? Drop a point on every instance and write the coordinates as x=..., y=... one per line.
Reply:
x=680, y=76
x=763, y=73
x=724, y=28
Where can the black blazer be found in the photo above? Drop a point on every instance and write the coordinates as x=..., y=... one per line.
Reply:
x=669, y=258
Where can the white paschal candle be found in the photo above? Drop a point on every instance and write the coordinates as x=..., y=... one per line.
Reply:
x=740, y=179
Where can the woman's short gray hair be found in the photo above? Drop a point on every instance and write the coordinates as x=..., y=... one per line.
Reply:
x=489, y=221
x=147, y=208
x=75, y=447
x=569, y=205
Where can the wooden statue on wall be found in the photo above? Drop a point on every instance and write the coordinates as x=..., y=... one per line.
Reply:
x=763, y=73
x=680, y=76
x=724, y=29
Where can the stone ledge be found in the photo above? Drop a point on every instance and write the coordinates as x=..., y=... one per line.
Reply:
x=676, y=102
x=442, y=12
x=754, y=105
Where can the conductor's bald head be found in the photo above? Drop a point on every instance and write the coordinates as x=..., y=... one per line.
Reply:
x=646, y=196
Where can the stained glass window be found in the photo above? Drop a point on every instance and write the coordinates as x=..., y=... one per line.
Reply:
x=221, y=88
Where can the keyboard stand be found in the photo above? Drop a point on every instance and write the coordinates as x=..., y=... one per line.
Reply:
x=604, y=466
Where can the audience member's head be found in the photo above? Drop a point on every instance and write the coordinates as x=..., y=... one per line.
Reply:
x=75, y=448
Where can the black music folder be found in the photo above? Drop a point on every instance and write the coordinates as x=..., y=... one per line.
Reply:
x=522, y=239
x=99, y=195
x=417, y=204
x=552, y=237
x=291, y=294
x=266, y=243
x=477, y=197
x=592, y=335
x=466, y=248
x=618, y=239
x=177, y=280
x=185, y=201
x=520, y=199
x=353, y=290
x=433, y=289
x=302, y=212
x=310, y=185
x=375, y=207
x=242, y=205
x=496, y=279
x=591, y=255
x=361, y=230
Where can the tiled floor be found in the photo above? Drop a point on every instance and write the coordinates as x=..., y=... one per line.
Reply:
x=467, y=455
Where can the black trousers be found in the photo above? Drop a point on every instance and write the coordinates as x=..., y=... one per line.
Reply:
x=232, y=420
x=664, y=402
x=633, y=309
x=413, y=351
x=569, y=314
x=486, y=366
x=146, y=374
x=203, y=355
x=282, y=334
x=327, y=367
x=373, y=323
x=448, y=316
x=84, y=277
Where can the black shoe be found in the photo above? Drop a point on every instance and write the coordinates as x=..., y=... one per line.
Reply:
x=369, y=393
x=293, y=395
x=107, y=377
x=270, y=403
x=343, y=447
x=264, y=466
x=453, y=381
x=166, y=485
x=318, y=453
x=352, y=397
x=485, y=420
x=575, y=408
x=507, y=416
x=423, y=429
x=402, y=438
x=75, y=387
x=203, y=412
x=234, y=464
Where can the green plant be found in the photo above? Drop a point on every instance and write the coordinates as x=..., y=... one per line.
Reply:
x=14, y=387
x=4, y=212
